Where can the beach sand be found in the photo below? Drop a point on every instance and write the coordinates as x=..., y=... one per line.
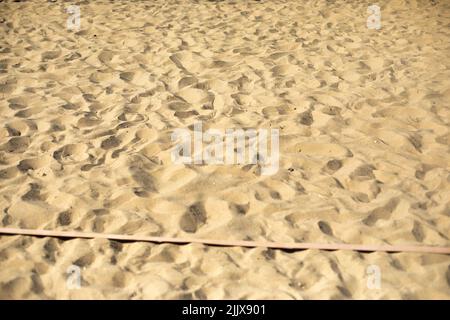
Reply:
x=85, y=144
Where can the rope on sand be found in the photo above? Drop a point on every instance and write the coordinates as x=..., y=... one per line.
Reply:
x=228, y=243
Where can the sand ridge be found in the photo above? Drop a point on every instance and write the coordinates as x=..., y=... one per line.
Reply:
x=86, y=119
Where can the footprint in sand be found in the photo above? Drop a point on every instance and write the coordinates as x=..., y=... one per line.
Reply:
x=21, y=128
x=186, y=114
x=383, y=212
x=34, y=193
x=50, y=55
x=193, y=218
x=127, y=76
x=363, y=172
x=239, y=209
x=8, y=173
x=65, y=218
x=17, y=144
x=418, y=232
x=186, y=81
x=325, y=228
x=71, y=153
x=306, y=118
x=110, y=143
x=178, y=106
x=139, y=172
x=33, y=164
x=333, y=165
x=193, y=95
x=89, y=120
x=28, y=113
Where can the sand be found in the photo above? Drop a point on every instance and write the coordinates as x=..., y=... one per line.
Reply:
x=85, y=124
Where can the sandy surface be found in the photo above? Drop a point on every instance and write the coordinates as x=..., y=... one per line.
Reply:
x=85, y=124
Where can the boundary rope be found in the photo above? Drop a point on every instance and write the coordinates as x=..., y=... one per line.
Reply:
x=228, y=243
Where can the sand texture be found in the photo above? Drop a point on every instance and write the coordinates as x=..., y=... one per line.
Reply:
x=85, y=144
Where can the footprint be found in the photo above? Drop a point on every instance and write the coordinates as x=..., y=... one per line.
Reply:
x=17, y=106
x=88, y=121
x=242, y=99
x=220, y=64
x=186, y=114
x=306, y=118
x=278, y=55
x=186, y=81
x=194, y=217
x=110, y=143
x=8, y=86
x=21, y=128
x=275, y=195
x=37, y=286
x=105, y=56
x=383, y=212
x=70, y=106
x=50, y=250
x=416, y=141
x=345, y=292
x=116, y=153
x=17, y=144
x=193, y=95
x=239, y=208
x=27, y=113
x=34, y=194
x=274, y=111
x=8, y=173
x=178, y=106
x=127, y=76
x=65, y=218
x=98, y=225
x=72, y=56
x=50, y=55
x=119, y=280
x=281, y=70
x=85, y=260
x=364, y=172
x=417, y=231
x=72, y=153
x=56, y=126
x=32, y=164
x=132, y=117
x=334, y=165
x=331, y=110
x=88, y=97
x=139, y=174
x=361, y=197
x=325, y=228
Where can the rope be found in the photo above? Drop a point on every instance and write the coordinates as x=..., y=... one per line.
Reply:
x=228, y=243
